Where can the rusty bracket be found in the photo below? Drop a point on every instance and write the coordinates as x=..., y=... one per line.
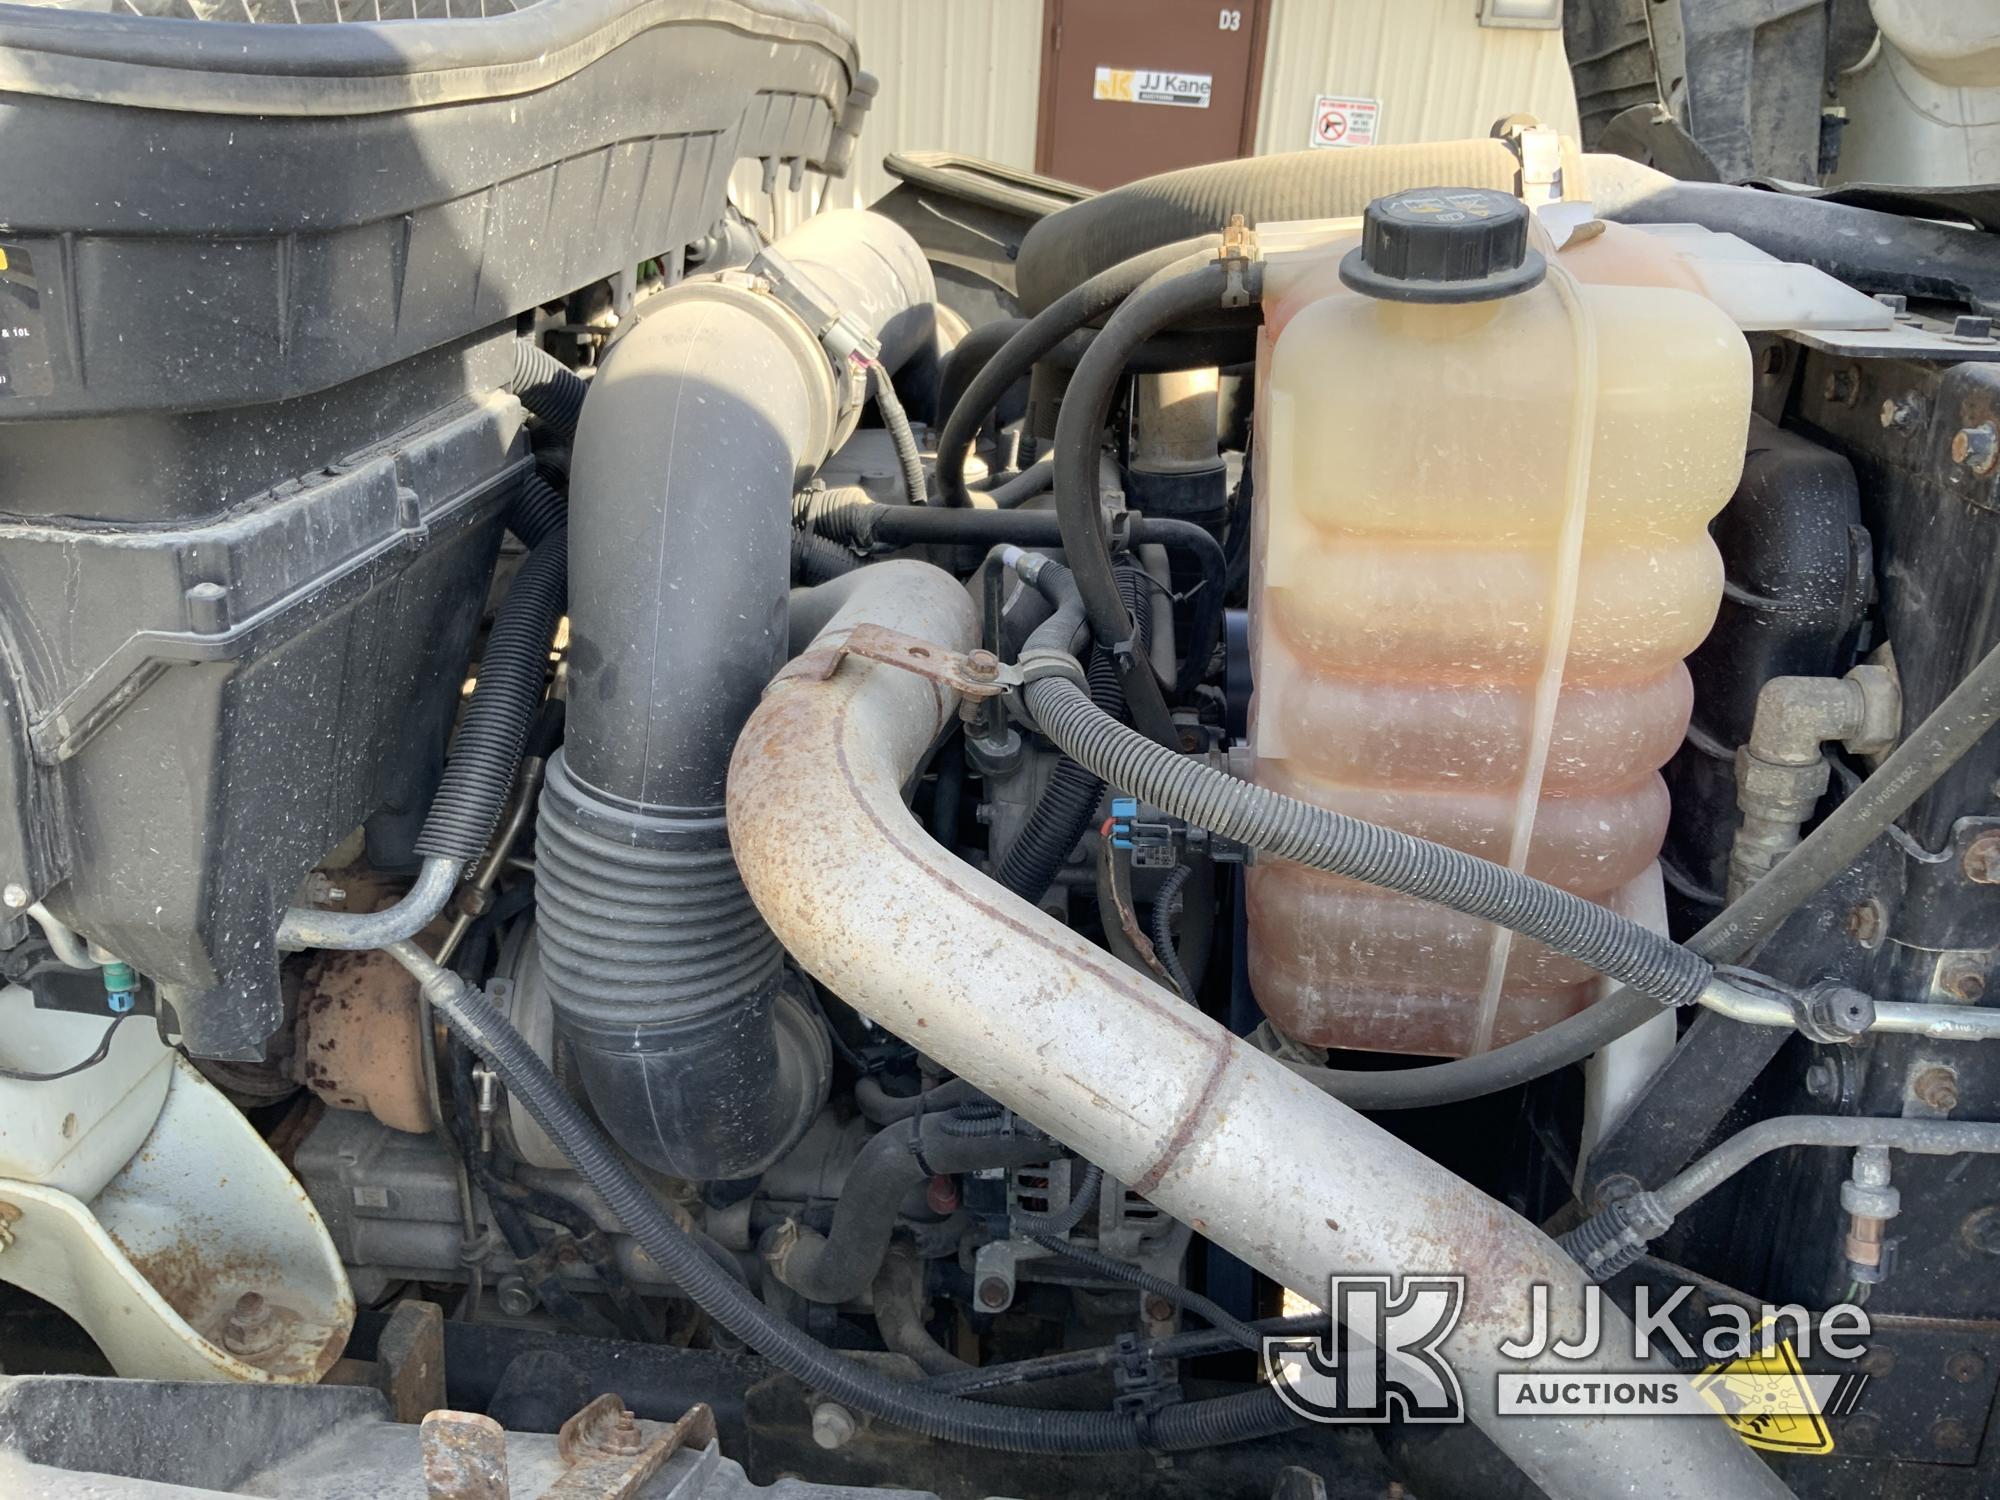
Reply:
x=1238, y=251
x=978, y=674
x=610, y=1455
x=465, y=1457
x=409, y=1361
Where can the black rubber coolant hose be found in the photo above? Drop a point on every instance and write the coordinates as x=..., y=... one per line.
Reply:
x=1199, y=1424
x=847, y=515
x=1074, y=243
x=1077, y=308
x=1288, y=828
x=841, y=1265
x=547, y=387
x=513, y=673
x=1063, y=813
x=1177, y=298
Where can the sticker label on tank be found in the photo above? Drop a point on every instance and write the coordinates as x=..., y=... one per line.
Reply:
x=1150, y=86
x=24, y=345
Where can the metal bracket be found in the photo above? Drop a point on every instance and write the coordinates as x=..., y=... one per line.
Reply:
x=1538, y=149
x=1140, y=1380
x=978, y=674
x=840, y=335
x=610, y=1453
x=1238, y=251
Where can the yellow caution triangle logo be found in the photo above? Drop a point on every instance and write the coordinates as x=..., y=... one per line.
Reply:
x=1767, y=1399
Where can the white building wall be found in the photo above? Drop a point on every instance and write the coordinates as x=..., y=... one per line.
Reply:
x=965, y=76
x=1439, y=74
x=956, y=75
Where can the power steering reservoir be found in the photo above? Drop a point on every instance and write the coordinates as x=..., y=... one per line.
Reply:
x=1480, y=555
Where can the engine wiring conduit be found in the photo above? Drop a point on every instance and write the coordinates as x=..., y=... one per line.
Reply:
x=513, y=672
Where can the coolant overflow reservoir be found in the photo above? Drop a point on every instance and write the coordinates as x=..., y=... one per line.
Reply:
x=1481, y=554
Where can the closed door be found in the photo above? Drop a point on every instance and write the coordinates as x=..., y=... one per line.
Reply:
x=1135, y=87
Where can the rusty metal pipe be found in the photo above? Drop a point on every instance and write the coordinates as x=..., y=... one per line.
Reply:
x=1211, y=1130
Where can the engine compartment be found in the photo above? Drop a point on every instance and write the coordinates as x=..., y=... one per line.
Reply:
x=694, y=842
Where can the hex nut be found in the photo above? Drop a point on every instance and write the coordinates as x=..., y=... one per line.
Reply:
x=833, y=1425
x=1981, y=860
x=1765, y=784
x=251, y=1329
x=1976, y=448
x=1936, y=1088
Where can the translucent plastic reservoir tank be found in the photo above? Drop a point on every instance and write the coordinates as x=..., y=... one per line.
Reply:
x=1482, y=551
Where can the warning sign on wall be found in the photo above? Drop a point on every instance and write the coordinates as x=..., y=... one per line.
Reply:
x=1339, y=120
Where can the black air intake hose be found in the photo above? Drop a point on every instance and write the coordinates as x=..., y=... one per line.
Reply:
x=513, y=673
x=1063, y=814
x=665, y=981
x=1075, y=243
x=547, y=387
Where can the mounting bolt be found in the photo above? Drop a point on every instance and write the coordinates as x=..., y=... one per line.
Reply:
x=1976, y=448
x=1963, y=980
x=1822, y=1080
x=1972, y=328
x=1936, y=1088
x=623, y=1436
x=1842, y=386
x=1981, y=860
x=1899, y=412
x=251, y=1328
x=14, y=894
x=1981, y=1229
x=1965, y=1366
x=516, y=1298
x=983, y=665
x=993, y=1292
x=833, y=1425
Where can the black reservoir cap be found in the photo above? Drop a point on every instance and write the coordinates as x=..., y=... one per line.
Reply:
x=1444, y=245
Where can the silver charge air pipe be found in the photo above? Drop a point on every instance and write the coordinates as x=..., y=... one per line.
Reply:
x=1162, y=1098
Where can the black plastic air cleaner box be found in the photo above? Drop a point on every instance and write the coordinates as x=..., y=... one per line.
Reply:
x=259, y=289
